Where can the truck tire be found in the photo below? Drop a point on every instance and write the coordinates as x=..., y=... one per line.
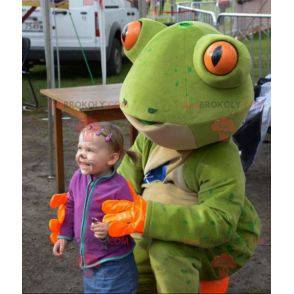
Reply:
x=115, y=58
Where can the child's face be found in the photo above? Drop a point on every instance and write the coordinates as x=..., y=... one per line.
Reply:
x=93, y=156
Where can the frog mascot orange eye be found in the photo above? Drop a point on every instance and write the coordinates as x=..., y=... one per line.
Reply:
x=220, y=58
x=131, y=34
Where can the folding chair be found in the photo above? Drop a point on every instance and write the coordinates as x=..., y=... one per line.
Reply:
x=26, y=45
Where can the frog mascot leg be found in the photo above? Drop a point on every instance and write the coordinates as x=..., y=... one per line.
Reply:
x=188, y=91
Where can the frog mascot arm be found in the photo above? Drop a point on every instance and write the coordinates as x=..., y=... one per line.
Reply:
x=188, y=91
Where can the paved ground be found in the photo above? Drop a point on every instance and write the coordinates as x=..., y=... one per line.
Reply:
x=44, y=273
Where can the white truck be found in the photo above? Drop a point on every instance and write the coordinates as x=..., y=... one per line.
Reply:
x=80, y=22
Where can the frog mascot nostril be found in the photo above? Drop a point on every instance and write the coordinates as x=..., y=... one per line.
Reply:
x=188, y=91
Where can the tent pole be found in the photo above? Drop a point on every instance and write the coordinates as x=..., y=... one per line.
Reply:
x=101, y=20
x=49, y=56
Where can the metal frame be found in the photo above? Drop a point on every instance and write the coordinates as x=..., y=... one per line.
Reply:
x=196, y=11
x=221, y=20
x=259, y=27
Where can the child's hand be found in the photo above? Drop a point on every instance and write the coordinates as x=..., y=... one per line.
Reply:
x=59, y=246
x=100, y=229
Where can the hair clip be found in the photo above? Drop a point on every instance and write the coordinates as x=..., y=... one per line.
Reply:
x=100, y=132
x=103, y=133
x=108, y=137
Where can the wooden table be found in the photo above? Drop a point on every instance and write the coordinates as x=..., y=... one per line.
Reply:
x=87, y=104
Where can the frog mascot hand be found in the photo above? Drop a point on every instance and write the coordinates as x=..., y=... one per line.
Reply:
x=188, y=91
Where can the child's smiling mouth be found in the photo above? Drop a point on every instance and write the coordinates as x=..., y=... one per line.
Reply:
x=84, y=164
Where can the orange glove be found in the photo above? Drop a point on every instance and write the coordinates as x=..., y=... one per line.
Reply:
x=57, y=200
x=125, y=217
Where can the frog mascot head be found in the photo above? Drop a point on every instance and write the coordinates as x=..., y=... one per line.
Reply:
x=189, y=85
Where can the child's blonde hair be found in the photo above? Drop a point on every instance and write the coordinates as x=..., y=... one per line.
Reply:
x=113, y=136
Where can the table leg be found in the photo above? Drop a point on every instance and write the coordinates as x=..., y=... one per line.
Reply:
x=59, y=149
x=133, y=134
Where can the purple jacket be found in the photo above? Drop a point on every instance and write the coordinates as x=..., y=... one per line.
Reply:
x=85, y=197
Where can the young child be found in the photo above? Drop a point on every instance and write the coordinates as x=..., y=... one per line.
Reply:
x=108, y=263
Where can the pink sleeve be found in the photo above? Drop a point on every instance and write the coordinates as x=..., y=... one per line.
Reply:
x=67, y=228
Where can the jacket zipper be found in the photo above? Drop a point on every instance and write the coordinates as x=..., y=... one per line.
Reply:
x=92, y=184
x=82, y=249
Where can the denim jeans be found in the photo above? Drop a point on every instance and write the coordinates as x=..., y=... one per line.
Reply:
x=118, y=276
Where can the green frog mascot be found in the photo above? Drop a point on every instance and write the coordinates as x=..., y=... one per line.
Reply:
x=188, y=91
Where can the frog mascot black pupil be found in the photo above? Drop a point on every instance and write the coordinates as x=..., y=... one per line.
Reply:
x=188, y=91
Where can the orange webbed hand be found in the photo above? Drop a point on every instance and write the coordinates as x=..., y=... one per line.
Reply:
x=57, y=201
x=116, y=206
x=125, y=217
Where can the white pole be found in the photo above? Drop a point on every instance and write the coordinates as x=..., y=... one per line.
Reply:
x=49, y=56
x=101, y=20
x=57, y=50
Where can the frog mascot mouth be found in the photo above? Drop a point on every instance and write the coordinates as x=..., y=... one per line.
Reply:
x=188, y=91
x=174, y=136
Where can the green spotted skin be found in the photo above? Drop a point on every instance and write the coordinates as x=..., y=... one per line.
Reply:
x=223, y=222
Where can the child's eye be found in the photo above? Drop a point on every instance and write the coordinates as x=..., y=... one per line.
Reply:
x=79, y=148
x=89, y=150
